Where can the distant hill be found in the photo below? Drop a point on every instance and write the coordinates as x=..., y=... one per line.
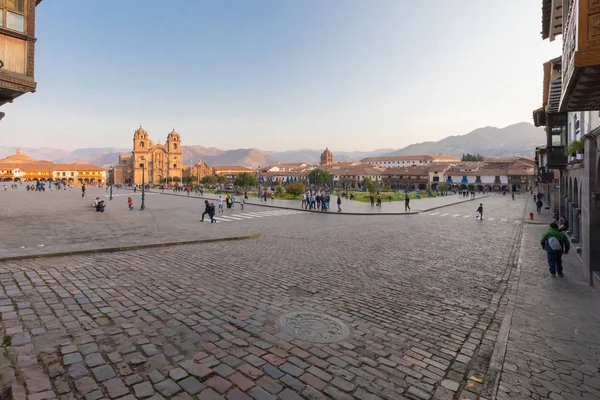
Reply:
x=314, y=156
x=514, y=140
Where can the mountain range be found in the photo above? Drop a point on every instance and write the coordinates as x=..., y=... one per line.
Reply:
x=514, y=140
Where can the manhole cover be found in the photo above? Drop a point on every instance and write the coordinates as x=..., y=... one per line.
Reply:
x=313, y=327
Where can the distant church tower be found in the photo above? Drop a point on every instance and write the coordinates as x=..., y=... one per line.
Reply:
x=326, y=157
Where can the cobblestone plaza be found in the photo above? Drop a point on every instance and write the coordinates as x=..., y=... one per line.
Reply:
x=436, y=305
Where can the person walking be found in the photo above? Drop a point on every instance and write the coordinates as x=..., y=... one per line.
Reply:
x=211, y=212
x=220, y=202
x=480, y=212
x=539, y=203
x=406, y=204
x=564, y=224
x=242, y=202
x=513, y=195
x=82, y=191
x=303, y=200
x=232, y=201
x=372, y=198
x=206, y=210
x=130, y=203
x=339, y=203
x=555, y=243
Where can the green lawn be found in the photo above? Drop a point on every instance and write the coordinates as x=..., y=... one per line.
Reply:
x=385, y=196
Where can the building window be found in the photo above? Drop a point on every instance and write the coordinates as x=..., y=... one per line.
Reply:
x=174, y=146
x=174, y=165
x=142, y=144
x=13, y=16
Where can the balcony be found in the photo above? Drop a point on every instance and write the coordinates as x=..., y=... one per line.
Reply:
x=545, y=176
x=556, y=157
x=581, y=57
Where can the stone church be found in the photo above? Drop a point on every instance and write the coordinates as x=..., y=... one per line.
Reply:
x=158, y=161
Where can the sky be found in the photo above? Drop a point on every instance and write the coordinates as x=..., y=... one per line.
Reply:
x=278, y=75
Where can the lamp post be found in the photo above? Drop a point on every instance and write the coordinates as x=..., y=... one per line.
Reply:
x=143, y=207
x=198, y=174
x=110, y=174
x=405, y=183
x=347, y=184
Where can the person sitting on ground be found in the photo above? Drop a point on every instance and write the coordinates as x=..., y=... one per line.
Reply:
x=100, y=206
x=96, y=201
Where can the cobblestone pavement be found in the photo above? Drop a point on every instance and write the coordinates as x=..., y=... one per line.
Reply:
x=553, y=349
x=352, y=206
x=422, y=298
x=61, y=221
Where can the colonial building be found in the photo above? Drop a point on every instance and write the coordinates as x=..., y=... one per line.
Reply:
x=230, y=172
x=197, y=171
x=20, y=167
x=326, y=157
x=156, y=162
x=405, y=161
x=569, y=112
x=17, y=48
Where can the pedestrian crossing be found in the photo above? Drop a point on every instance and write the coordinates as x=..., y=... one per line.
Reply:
x=242, y=216
x=129, y=194
x=466, y=216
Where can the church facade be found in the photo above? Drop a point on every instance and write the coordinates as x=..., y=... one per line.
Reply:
x=156, y=162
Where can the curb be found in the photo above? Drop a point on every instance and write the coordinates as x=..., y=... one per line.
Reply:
x=458, y=202
x=127, y=248
x=300, y=208
x=496, y=364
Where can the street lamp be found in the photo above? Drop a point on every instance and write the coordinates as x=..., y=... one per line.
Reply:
x=143, y=207
x=405, y=183
x=197, y=174
x=347, y=184
x=110, y=175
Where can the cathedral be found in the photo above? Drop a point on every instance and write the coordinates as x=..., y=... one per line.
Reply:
x=158, y=162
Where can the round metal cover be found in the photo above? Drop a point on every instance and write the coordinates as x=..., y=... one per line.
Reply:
x=313, y=327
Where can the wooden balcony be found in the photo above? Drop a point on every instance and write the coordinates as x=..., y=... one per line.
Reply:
x=581, y=57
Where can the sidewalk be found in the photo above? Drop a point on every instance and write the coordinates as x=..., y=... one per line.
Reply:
x=353, y=207
x=553, y=348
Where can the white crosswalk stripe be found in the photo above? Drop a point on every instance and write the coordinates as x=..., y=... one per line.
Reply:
x=129, y=194
x=466, y=216
x=242, y=216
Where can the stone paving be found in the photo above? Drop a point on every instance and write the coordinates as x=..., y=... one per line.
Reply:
x=401, y=307
x=61, y=221
x=553, y=349
x=353, y=206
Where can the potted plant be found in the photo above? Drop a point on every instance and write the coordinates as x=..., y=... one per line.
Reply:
x=574, y=148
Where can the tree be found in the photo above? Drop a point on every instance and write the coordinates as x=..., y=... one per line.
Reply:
x=368, y=184
x=245, y=180
x=279, y=191
x=472, y=157
x=443, y=187
x=295, y=189
x=319, y=177
x=209, y=180
x=221, y=180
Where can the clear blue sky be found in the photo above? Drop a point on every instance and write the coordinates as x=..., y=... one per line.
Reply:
x=278, y=75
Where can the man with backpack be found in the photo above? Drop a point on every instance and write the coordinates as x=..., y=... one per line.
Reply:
x=555, y=243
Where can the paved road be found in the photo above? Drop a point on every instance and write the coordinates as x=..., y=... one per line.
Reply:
x=352, y=206
x=422, y=297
